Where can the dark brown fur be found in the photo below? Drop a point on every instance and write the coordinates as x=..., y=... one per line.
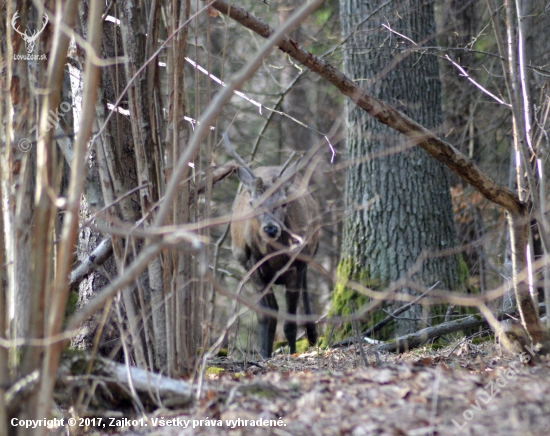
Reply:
x=263, y=222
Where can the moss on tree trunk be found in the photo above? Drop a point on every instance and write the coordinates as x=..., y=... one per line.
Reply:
x=399, y=212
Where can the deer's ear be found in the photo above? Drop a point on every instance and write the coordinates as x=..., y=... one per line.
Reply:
x=251, y=183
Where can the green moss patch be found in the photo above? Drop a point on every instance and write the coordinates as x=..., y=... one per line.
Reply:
x=343, y=297
x=213, y=372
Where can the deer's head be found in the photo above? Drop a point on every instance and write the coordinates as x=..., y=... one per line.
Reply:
x=268, y=200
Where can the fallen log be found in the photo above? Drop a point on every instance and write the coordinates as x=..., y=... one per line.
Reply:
x=119, y=383
x=378, y=326
x=419, y=338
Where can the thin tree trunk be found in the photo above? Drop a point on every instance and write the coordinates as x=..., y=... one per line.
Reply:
x=43, y=277
x=140, y=98
x=19, y=169
x=4, y=367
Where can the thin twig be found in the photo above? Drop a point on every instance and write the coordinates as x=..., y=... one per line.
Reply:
x=484, y=90
x=287, y=164
x=357, y=334
x=399, y=34
x=434, y=399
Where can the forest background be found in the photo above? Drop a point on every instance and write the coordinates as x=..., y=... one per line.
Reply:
x=120, y=244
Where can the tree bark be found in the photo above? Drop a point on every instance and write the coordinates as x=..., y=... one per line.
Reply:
x=411, y=209
x=18, y=109
x=111, y=175
x=147, y=155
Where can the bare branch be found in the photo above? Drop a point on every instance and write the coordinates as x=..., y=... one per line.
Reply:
x=421, y=337
x=239, y=159
x=181, y=169
x=92, y=262
x=485, y=90
x=383, y=112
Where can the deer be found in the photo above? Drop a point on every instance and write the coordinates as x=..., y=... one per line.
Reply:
x=274, y=231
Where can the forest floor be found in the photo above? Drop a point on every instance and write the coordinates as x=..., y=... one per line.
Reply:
x=462, y=389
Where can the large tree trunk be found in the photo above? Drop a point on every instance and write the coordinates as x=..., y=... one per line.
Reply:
x=399, y=204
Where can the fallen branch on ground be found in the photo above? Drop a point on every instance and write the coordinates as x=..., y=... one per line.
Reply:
x=378, y=326
x=114, y=382
x=419, y=338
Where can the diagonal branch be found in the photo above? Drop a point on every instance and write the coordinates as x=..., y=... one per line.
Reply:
x=383, y=112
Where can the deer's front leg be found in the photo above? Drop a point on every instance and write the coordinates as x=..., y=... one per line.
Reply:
x=292, y=297
x=268, y=325
x=311, y=328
